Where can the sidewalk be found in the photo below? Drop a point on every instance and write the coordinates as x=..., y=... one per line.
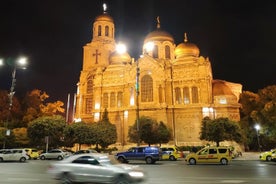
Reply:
x=249, y=156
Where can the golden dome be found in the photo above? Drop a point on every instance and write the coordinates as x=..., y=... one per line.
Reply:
x=220, y=88
x=104, y=17
x=186, y=49
x=158, y=35
x=118, y=58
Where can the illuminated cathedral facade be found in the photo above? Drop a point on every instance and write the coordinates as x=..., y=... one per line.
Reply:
x=170, y=82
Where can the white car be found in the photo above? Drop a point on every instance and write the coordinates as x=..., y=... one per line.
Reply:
x=13, y=155
x=54, y=154
x=95, y=168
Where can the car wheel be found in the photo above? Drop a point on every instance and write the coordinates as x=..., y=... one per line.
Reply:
x=66, y=178
x=42, y=157
x=59, y=157
x=121, y=180
x=192, y=161
x=172, y=158
x=149, y=160
x=121, y=159
x=22, y=159
x=224, y=161
x=268, y=158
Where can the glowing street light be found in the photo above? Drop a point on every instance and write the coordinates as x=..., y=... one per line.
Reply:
x=258, y=127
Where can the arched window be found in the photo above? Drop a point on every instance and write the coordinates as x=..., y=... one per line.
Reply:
x=106, y=30
x=89, y=104
x=186, y=95
x=112, y=99
x=160, y=91
x=105, y=100
x=155, y=51
x=120, y=99
x=99, y=30
x=178, y=98
x=167, y=52
x=146, y=89
x=194, y=95
x=89, y=88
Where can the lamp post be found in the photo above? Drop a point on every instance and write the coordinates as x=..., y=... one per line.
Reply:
x=20, y=63
x=257, y=127
x=137, y=102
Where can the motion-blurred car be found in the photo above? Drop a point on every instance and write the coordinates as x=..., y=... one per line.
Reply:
x=54, y=154
x=267, y=155
x=95, y=168
x=170, y=153
x=273, y=157
x=13, y=155
x=85, y=151
x=210, y=155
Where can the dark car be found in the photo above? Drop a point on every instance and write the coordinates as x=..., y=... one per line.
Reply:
x=150, y=154
x=85, y=151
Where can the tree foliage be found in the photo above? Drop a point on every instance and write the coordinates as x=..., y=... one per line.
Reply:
x=220, y=129
x=259, y=108
x=150, y=132
x=47, y=126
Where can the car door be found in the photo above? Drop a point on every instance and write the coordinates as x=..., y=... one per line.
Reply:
x=202, y=155
x=212, y=155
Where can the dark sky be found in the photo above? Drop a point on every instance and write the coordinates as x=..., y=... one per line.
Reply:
x=239, y=37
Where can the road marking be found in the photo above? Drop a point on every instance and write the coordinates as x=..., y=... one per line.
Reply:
x=232, y=181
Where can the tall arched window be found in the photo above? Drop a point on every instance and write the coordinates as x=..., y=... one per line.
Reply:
x=88, y=108
x=155, y=51
x=120, y=99
x=167, y=52
x=178, y=98
x=194, y=95
x=112, y=99
x=146, y=89
x=89, y=88
x=99, y=30
x=160, y=91
x=105, y=100
x=186, y=95
x=106, y=30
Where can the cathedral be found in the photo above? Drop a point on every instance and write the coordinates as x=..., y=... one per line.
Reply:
x=170, y=82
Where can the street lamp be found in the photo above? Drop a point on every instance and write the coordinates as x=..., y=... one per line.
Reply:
x=21, y=63
x=258, y=127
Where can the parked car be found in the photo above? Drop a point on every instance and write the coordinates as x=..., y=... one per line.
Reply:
x=210, y=155
x=32, y=153
x=95, y=168
x=267, y=155
x=273, y=157
x=170, y=153
x=85, y=151
x=54, y=154
x=13, y=155
x=150, y=154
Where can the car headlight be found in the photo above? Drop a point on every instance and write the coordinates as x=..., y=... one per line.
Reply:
x=136, y=174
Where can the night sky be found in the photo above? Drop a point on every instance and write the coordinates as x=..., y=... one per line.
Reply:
x=238, y=36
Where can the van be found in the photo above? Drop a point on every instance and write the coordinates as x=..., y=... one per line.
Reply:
x=210, y=155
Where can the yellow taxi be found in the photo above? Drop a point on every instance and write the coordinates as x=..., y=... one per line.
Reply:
x=32, y=153
x=210, y=154
x=170, y=153
x=267, y=155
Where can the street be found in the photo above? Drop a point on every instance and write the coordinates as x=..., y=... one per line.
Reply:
x=170, y=172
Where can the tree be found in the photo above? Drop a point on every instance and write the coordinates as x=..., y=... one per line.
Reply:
x=47, y=126
x=21, y=136
x=221, y=129
x=259, y=108
x=150, y=131
x=106, y=133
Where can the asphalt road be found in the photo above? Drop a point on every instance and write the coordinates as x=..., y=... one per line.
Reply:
x=167, y=172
